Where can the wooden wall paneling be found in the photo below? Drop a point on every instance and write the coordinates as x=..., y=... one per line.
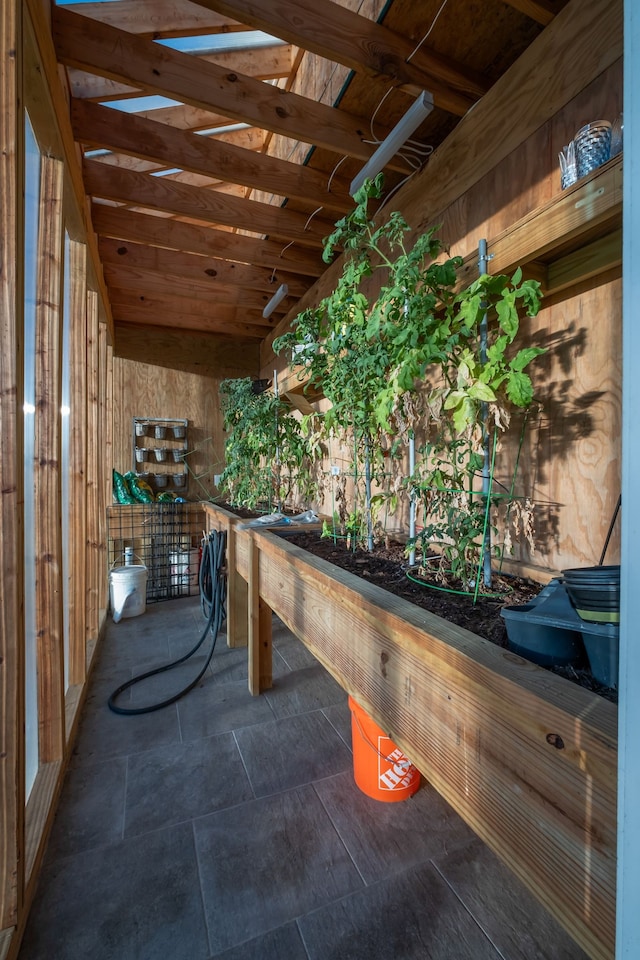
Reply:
x=577, y=456
x=12, y=788
x=146, y=390
x=92, y=466
x=77, y=464
x=186, y=350
x=105, y=467
x=48, y=546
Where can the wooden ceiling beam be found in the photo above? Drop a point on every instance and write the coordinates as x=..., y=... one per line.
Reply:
x=137, y=61
x=332, y=31
x=206, y=354
x=267, y=63
x=159, y=18
x=542, y=11
x=143, y=190
x=99, y=126
x=183, y=314
x=149, y=283
x=200, y=270
x=122, y=224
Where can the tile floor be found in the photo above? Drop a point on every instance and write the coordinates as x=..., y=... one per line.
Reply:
x=229, y=826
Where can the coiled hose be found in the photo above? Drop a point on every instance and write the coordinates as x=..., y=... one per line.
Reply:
x=213, y=582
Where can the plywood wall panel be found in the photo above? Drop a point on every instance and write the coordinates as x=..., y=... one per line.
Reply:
x=144, y=390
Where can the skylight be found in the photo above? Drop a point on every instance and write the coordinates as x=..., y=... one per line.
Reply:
x=222, y=42
x=137, y=104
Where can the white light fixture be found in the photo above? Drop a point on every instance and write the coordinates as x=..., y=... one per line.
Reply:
x=276, y=300
x=403, y=129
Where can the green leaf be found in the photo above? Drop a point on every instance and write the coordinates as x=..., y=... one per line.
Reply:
x=519, y=389
x=524, y=357
x=481, y=391
x=508, y=317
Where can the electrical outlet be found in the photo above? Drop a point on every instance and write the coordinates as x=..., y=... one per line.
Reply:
x=335, y=470
x=217, y=477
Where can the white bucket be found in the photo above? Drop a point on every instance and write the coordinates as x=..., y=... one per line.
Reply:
x=184, y=567
x=128, y=591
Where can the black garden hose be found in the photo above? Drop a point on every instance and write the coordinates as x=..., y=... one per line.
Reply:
x=212, y=580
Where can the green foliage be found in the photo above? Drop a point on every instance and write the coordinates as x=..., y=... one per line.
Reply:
x=266, y=451
x=395, y=345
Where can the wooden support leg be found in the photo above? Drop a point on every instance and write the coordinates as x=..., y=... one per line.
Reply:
x=237, y=597
x=259, y=624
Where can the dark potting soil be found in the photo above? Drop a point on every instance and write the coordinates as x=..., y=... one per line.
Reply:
x=387, y=567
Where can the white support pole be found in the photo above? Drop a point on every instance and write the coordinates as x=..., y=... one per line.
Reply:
x=483, y=260
x=412, y=500
x=628, y=881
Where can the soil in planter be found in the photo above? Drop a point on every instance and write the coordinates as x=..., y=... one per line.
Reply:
x=387, y=568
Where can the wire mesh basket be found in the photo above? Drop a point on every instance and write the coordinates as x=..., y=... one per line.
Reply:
x=593, y=146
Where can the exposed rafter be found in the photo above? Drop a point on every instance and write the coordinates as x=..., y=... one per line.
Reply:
x=100, y=126
x=159, y=18
x=179, y=314
x=338, y=34
x=158, y=193
x=268, y=63
x=138, y=61
x=208, y=272
x=150, y=283
x=203, y=208
x=542, y=11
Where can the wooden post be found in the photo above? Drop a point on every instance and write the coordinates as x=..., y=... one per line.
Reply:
x=93, y=497
x=259, y=623
x=105, y=465
x=77, y=519
x=46, y=469
x=12, y=780
x=237, y=595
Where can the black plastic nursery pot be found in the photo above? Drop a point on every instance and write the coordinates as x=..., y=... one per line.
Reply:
x=542, y=630
x=549, y=631
x=595, y=592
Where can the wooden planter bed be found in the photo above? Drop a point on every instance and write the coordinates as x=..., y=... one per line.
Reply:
x=526, y=758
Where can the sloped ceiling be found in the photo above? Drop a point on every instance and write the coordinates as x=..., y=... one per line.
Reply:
x=204, y=206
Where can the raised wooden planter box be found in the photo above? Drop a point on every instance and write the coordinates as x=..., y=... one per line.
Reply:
x=526, y=758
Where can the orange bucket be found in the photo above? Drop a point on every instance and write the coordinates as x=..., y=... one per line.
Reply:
x=380, y=768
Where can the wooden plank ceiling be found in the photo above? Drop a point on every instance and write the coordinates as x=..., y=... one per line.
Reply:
x=204, y=204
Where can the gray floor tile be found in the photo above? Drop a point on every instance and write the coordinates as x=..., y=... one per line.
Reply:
x=281, y=944
x=186, y=780
x=267, y=862
x=413, y=916
x=104, y=734
x=287, y=753
x=168, y=683
x=133, y=901
x=292, y=651
x=306, y=689
x=215, y=707
x=385, y=838
x=230, y=664
x=510, y=916
x=339, y=716
x=184, y=638
x=93, y=810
